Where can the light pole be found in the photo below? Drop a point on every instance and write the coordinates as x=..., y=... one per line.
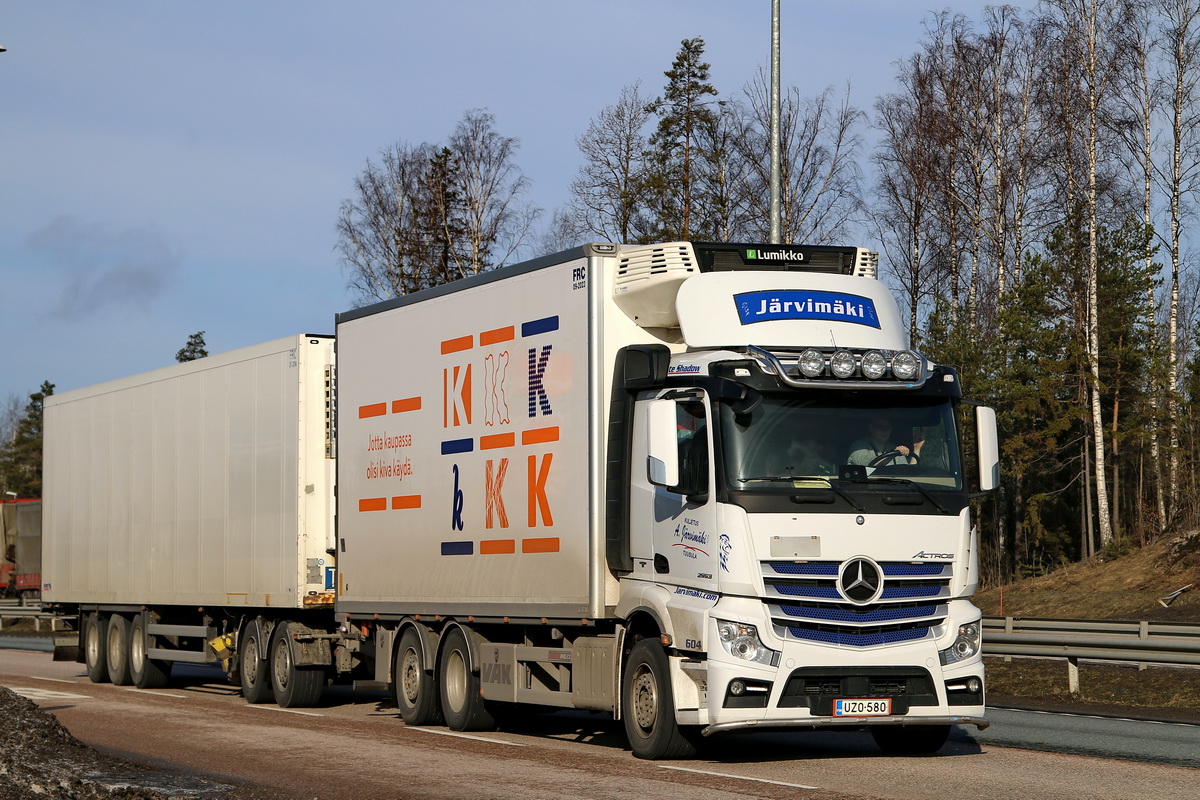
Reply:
x=776, y=151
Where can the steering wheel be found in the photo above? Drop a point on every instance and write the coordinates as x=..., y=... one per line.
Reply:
x=883, y=458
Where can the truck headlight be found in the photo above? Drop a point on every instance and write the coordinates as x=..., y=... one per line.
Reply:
x=841, y=364
x=741, y=640
x=965, y=646
x=906, y=365
x=874, y=365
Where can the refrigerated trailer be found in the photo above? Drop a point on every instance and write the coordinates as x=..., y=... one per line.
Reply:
x=702, y=487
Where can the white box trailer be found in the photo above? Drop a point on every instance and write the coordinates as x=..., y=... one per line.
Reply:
x=206, y=484
x=471, y=448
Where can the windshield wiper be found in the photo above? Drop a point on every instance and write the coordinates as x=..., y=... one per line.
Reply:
x=785, y=478
x=917, y=487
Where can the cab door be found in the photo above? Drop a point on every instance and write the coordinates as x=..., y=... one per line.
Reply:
x=673, y=534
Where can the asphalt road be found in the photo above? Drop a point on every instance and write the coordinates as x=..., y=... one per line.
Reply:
x=1134, y=740
x=355, y=745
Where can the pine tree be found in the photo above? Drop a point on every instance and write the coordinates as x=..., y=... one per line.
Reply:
x=194, y=349
x=21, y=458
x=683, y=115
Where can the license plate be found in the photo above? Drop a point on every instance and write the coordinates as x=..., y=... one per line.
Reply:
x=862, y=708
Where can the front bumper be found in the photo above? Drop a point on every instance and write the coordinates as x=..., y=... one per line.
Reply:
x=844, y=722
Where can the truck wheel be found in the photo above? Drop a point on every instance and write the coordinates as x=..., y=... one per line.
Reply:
x=252, y=665
x=910, y=740
x=462, y=704
x=294, y=687
x=147, y=673
x=118, y=650
x=95, y=647
x=415, y=690
x=648, y=705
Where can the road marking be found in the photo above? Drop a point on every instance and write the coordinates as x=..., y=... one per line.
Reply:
x=737, y=777
x=1177, y=724
x=56, y=680
x=156, y=694
x=286, y=710
x=46, y=694
x=457, y=735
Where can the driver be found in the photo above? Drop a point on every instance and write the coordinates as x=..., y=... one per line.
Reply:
x=877, y=449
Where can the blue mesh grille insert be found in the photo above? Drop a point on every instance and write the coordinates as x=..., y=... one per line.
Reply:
x=806, y=569
x=859, y=640
x=913, y=570
x=846, y=615
x=902, y=592
x=822, y=592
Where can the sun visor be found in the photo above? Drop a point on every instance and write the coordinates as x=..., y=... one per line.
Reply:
x=787, y=309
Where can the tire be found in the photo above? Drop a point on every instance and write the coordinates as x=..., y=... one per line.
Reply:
x=415, y=690
x=648, y=705
x=294, y=687
x=253, y=669
x=147, y=673
x=462, y=704
x=910, y=740
x=95, y=647
x=117, y=644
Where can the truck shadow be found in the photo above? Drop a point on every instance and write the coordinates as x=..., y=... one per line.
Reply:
x=601, y=730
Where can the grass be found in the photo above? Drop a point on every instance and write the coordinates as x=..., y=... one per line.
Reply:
x=1155, y=692
x=1125, y=587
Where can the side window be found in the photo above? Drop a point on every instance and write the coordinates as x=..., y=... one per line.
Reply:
x=692, y=434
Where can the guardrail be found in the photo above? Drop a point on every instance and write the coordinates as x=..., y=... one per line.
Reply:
x=10, y=610
x=1141, y=643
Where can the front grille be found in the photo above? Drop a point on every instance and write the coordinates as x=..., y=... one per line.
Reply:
x=845, y=638
x=806, y=604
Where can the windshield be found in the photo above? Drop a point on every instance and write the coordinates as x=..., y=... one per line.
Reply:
x=798, y=441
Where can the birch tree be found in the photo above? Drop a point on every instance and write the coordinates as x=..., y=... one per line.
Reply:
x=1088, y=36
x=1180, y=39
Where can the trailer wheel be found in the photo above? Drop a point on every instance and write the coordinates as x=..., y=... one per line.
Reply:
x=910, y=740
x=147, y=673
x=95, y=647
x=458, y=686
x=294, y=687
x=252, y=665
x=648, y=705
x=415, y=690
x=117, y=640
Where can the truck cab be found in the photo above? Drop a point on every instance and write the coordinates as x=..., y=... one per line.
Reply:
x=799, y=516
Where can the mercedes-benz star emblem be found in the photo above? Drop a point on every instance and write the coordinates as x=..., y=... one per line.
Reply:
x=860, y=581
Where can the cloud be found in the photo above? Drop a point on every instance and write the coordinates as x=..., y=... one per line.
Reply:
x=100, y=268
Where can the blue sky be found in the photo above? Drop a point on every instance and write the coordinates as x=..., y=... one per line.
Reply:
x=170, y=167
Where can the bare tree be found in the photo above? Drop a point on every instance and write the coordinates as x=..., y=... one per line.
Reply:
x=377, y=228
x=906, y=185
x=491, y=187
x=608, y=194
x=427, y=214
x=821, y=144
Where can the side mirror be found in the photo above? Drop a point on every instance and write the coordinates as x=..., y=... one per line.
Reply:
x=989, y=448
x=662, y=462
